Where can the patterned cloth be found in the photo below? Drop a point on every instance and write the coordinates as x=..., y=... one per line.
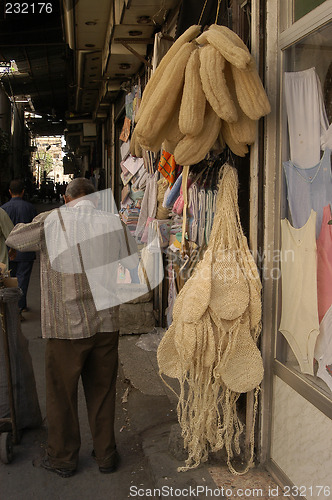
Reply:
x=68, y=309
x=167, y=167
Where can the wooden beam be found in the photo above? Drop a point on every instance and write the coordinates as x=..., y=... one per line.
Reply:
x=133, y=51
x=134, y=40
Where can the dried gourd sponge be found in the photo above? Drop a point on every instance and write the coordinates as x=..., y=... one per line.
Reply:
x=160, y=107
x=173, y=133
x=135, y=148
x=244, y=129
x=238, y=148
x=235, y=39
x=151, y=145
x=187, y=36
x=192, y=109
x=250, y=91
x=193, y=148
x=214, y=83
x=238, y=56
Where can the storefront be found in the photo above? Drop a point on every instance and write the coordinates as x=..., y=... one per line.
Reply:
x=296, y=427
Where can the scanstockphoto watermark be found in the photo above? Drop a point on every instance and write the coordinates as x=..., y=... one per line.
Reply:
x=232, y=265
x=195, y=492
x=270, y=491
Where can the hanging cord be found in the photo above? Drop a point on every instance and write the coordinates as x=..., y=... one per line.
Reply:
x=185, y=199
x=217, y=15
x=200, y=17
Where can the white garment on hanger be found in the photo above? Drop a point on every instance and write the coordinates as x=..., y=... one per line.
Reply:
x=307, y=119
x=160, y=47
x=326, y=139
x=299, y=312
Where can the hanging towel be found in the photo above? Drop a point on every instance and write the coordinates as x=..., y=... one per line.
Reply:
x=201, y=216
x=306, y=115
x=149, y=204
x=193, y=211
x=208, y=214
x=174, y=193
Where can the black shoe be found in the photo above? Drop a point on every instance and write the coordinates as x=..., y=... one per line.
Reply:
x=111, y=468
x=44, y=463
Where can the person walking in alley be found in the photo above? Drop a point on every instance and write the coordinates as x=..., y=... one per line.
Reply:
x=82, y=338
x=20, y=266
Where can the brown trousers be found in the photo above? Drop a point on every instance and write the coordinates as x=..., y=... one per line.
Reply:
x=95, y=359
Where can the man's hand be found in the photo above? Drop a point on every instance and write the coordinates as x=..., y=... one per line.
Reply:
x=11, y=253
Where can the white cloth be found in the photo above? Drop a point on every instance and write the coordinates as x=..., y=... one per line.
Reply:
x=149, y=204
x=307, y=119
x=299, y=315
x=161, y=46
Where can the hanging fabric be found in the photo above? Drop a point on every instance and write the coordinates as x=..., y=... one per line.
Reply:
x=306, y=115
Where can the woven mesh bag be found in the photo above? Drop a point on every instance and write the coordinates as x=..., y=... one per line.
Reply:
x=168, y=356
x=229, y=288
x=243, y=369
x=196, y=292
x=210, y=347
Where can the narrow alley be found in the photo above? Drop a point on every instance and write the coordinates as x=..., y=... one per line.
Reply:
x=190, y=145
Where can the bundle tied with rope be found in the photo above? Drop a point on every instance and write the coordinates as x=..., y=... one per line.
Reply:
x=206, y=90
x=210, y=346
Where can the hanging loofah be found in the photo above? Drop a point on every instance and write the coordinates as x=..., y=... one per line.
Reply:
x=238, y=148
x=153, y=121
x=187, y=36
x=173, y=134
x=191, y=117
x=216, y=67
x=236, y=53
x=193, y=148
x=250, y=91
x=214, y=83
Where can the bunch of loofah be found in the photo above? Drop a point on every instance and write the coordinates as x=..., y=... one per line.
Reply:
x=206, y=88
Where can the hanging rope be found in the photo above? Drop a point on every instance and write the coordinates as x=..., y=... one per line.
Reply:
x=217, y=15
x=200, y=17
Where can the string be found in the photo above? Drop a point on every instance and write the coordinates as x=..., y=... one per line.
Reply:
x=217, y=15
x=200, y=18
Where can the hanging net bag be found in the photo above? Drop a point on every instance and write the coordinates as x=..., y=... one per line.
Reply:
x=210, y=346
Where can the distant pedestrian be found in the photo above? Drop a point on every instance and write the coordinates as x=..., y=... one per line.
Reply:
x=20, y=210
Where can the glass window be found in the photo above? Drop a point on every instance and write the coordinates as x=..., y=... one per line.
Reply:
x=302, y=7
x=304, y=339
